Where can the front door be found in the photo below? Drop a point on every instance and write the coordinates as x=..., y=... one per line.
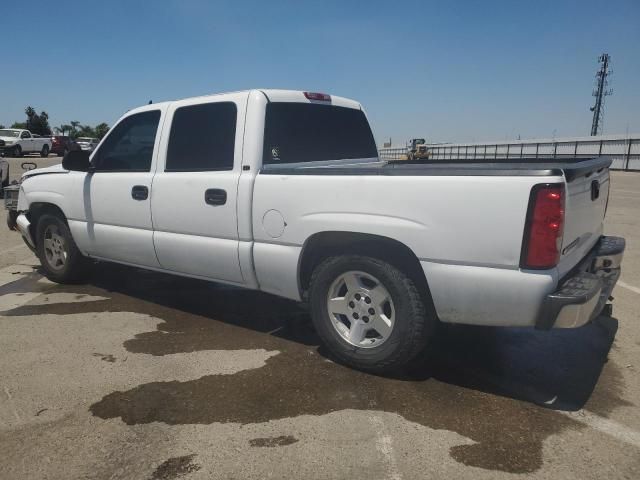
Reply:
x=116, y=195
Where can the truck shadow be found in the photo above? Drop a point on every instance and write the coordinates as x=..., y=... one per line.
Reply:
x=480, y=382
x=556, y=369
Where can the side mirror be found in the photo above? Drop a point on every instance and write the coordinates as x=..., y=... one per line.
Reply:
x=76, y=160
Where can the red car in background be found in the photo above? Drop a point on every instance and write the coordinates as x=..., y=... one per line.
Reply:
x=61, y=144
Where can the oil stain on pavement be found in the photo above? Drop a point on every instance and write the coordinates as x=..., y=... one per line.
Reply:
x=280, y=441
x=486, y=384
x=175, y=467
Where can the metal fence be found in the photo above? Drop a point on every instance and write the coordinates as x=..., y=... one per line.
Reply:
x=624, y=150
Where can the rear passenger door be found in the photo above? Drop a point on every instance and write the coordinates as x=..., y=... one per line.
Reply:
x=195, y=188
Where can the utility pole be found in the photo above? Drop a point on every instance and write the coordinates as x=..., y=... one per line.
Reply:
x=600, y=93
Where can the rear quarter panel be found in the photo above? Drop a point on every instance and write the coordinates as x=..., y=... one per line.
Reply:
x=465, y=230
x=470, y=220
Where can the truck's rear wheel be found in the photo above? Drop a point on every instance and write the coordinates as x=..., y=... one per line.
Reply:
x=369, y=314
x=45, y=151
x=60, y=258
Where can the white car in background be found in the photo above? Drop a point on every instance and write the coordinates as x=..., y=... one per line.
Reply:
x=87, y=144
x=15, y=142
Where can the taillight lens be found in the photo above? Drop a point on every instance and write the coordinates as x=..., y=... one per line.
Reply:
x=545, y=226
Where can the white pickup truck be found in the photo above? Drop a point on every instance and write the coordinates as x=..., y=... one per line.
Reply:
x=16, y=142
x=283, y=191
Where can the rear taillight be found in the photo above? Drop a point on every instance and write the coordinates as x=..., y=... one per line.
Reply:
x=322, y=97
x=544, y=228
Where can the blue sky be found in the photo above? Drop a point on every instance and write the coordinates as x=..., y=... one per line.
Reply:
x=447, y=71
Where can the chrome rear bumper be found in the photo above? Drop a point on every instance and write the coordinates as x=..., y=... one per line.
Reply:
x=582, y=296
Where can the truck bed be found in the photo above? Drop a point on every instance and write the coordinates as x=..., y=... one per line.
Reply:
x=525, y=167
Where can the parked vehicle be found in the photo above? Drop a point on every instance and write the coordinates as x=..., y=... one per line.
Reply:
x=4, y=176
x=416, y=149
x=61, y=144
x=227, y=188
x=87, y=143
x=10, y=191
x=16, y=142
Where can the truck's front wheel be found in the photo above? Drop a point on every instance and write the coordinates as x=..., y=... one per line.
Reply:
x=60, y=258
x=368, y=313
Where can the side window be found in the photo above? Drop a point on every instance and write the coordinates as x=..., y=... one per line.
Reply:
x=129, y=147
x=202, y=138
x=25, y=135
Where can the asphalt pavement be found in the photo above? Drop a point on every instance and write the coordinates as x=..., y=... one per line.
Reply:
x=140, y=375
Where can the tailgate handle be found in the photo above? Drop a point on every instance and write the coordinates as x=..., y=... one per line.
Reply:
x=215, y=196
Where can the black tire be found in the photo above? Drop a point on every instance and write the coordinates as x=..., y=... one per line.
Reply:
x=412, y=328
x=17, y=151
x=74, y=266
x=5, y=184
x=45, y=151
x=12, y=216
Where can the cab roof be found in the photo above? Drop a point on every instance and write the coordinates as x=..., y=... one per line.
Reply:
x=273, y=95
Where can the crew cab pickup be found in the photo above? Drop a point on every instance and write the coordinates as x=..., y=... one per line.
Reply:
x=16, y=142
x=283, y=191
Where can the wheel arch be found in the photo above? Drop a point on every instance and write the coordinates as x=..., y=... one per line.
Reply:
x=326, y=244
x=38, y=209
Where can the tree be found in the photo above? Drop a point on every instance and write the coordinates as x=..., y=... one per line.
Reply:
x=85, y=131
x=101, y=130
x=74, y=128
x=1, y=126
x=38, y=124
x=64, y=128
x=19, y=125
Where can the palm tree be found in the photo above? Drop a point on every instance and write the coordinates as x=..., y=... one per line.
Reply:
x=74, y=127
x=63, y=128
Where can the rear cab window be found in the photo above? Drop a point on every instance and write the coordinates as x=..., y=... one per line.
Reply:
x=313, y=132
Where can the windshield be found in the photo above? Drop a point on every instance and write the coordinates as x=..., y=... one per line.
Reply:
x=86, y=139
x=10, y=133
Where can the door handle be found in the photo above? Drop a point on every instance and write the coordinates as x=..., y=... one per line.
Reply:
x=215, y=196
x=139, y=192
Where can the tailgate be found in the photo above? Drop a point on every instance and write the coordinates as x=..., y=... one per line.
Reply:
x=585, y=205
